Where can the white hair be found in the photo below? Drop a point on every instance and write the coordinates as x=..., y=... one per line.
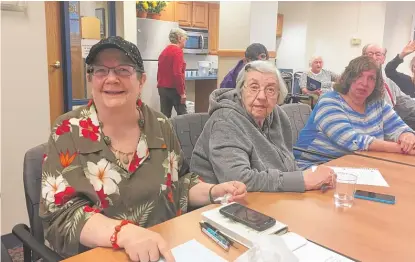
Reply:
x=262, y=67
x=175, y=35
x=314, y=57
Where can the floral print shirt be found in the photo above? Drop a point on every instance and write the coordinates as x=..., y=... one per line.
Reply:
x=81, y=176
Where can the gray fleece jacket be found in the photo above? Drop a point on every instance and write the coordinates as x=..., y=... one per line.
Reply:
x=233, y=147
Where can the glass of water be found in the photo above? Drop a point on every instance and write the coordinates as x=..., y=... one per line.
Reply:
x=345, y=187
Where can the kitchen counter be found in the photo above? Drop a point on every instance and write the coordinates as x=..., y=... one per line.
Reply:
x=209, y=77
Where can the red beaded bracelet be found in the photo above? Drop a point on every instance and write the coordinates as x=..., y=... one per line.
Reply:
x=117, y=229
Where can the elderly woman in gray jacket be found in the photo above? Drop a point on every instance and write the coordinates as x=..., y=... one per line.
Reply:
x=248, y=137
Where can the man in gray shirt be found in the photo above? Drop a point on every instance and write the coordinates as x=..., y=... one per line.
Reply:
x=403, y=104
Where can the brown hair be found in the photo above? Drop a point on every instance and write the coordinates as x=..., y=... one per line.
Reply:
x=355, y=68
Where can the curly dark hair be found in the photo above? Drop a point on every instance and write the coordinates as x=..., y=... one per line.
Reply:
x=355, y=68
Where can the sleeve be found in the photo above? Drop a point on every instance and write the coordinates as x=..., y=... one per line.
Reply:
x=178, y=72
x=393, y=125
x=227, y=82
x=303, y=81
x=63, y=209
x=230, y=159
x=390, y=68
x=332, y=121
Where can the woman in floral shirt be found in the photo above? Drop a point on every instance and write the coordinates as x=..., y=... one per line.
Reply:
x=114, y=167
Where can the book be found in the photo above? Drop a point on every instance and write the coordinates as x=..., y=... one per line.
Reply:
x=313, y=84
x=302, y=248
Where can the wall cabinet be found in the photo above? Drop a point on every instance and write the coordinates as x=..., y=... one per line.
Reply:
x=183, y=13
x=213, y=29
x=192, y=14
x=168, y=13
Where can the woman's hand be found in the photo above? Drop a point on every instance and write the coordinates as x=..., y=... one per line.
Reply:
x=322, y=175
x=409, y=48
x=407, y=142
x=143, y=245
x=235, y=188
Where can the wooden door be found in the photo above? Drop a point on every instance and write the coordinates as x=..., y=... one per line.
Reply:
x=200, y=16
x=183, y=13
x=168, y=13
x=54, y=57
x=213, y=29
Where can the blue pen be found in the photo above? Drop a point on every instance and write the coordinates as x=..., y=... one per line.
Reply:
x=223, y=243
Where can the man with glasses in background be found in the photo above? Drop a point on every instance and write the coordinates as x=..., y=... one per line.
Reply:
x=403, y=104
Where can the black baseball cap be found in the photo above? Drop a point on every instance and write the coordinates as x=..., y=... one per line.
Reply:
x=254, y=50
x=130, y=50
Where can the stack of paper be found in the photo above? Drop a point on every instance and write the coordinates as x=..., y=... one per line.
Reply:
x=194, y=251
x=365, y=176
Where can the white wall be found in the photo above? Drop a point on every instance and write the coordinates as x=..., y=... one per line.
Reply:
x=397, y=34
x=263, y=13
x=25, y=102
x=234, y=17
x=326, y=28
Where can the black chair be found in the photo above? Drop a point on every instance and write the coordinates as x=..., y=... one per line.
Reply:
x=5, y=257
x=188, y=129
x=32, y=238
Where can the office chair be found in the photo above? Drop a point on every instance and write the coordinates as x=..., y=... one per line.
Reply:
x=32, y=238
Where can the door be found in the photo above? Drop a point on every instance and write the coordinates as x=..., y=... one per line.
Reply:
x=183, y=13
x=200, y=15
x=54, y=58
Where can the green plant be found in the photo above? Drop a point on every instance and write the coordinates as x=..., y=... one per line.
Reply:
x=156, y=7
x=142, y=5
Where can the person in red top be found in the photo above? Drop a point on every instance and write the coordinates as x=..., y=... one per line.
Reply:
x=170, y=74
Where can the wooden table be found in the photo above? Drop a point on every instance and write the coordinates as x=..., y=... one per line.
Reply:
x=368, y=231
x=391, y=157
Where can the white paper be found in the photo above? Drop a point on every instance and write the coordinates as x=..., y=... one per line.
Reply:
x=194, y=251
x=315, y=253
x=365, y=176
x=86, y=45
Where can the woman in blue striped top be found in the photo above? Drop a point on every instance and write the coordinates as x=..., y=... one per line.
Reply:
x=354, y=117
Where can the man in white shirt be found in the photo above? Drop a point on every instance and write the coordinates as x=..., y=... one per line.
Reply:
x=403, y=104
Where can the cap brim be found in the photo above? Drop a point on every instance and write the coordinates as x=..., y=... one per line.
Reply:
x=94, y=52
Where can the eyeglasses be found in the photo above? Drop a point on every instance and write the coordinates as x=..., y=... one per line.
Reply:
x=120, y=70
x=378, y=54
x=269, y=91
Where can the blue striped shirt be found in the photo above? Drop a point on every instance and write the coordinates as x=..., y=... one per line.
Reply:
x=335, y=129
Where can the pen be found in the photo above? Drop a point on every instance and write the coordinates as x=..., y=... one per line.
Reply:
x=215, y=237
x=231, y=242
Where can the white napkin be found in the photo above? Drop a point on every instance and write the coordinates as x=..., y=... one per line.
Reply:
x=268, y=248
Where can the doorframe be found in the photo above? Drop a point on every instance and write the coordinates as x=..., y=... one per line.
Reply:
x=69, y=102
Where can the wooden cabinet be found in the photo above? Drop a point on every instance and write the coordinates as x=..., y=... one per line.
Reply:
x=213, y=29
x=280, y=23
x=183, y=13
x=192, y=14
x=168, y=13
x=200, y=16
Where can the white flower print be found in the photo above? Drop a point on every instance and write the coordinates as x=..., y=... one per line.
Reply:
x=102, y=175
x=171, y=165
x=51, y=186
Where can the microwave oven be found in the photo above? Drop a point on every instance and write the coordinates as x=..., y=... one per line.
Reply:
x=197, y=41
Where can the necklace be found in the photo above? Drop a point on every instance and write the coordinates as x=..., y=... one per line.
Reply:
x=123, y=157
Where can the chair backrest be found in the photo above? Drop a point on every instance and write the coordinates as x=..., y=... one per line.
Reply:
x=296, y=85
x=298, y=114
x=188, y=129
x=32, y=179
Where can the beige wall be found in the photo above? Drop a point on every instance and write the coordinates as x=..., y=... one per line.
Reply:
x=318, y=28
x=25, y=102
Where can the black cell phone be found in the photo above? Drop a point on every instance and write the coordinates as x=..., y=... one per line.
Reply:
x=372, y=196
x=247, y=216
